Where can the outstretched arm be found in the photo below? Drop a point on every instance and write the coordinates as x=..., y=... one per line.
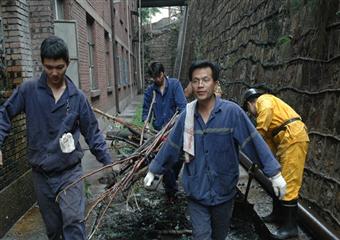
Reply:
x=168, y=154
x=12, y=107
x=253, y=145
x=93, y=137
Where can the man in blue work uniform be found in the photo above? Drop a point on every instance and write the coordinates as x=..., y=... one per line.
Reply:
x=163, y=98
x=220, y=129
x=56, y=114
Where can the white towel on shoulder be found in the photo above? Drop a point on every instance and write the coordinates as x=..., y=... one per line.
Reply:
x=188, y=136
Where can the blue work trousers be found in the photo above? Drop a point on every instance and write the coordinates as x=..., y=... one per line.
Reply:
x=210, y=222
x=63, y=218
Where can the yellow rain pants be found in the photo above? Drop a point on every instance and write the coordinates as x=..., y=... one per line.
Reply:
x=290, y=145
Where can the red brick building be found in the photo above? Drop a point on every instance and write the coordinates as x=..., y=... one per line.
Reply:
x=101, y=35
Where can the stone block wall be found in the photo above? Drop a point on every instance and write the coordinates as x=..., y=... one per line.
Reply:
x=161, y=46
x=292, y=47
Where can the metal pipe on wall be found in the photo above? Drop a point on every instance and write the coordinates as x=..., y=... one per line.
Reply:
x=128, y=16
x=140, y=44
x=115, y=65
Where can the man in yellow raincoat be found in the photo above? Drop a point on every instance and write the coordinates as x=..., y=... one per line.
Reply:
x=286, y=134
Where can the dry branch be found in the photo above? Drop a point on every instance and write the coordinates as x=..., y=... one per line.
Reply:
x=133, y=168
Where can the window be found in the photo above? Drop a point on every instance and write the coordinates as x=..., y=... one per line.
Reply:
x=59, y=9
x=91, y=51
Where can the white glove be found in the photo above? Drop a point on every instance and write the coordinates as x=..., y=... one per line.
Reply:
x=1, y=163
x=66, y=143
x=279, y=185
x=149, y=179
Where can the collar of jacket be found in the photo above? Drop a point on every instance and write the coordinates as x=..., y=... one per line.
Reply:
x=155, y=87
x=217, y=107
x=71, y=88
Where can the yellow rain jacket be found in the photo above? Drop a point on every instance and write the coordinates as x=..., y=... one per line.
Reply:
x=289, y=145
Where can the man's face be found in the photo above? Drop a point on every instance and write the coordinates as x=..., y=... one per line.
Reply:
x=203, y=85
x=55, y=69
x=252, y=108
x=159, y=80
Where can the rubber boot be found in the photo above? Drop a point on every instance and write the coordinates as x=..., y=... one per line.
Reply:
x=289, y=227
x=275, y=215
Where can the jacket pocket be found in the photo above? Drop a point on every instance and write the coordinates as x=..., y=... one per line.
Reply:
x=225, y=183
x=196, y=187
x=220, y=141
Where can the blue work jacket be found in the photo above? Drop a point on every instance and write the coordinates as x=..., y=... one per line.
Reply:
x=165, y=106
x=47, y=121
x=211, y=176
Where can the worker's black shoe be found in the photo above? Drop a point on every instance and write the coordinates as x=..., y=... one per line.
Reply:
x=286, y=232
x=275, y=216
x=289, y=227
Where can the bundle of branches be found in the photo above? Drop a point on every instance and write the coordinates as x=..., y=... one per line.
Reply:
x=132, y=168
x=131, y=134
x=132, y=128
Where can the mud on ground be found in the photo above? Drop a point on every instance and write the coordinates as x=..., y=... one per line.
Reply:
x=148, y=215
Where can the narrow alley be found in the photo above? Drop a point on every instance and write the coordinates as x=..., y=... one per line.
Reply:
x=284, y=52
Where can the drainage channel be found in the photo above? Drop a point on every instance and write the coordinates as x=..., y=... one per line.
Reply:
x=155, y=218
x=257, y=205
x=310, y=226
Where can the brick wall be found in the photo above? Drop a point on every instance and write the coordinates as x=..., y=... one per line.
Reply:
x=16, y=191
x=292, y=47
x=100, y=65
x=41, y=27
x=76, y=12
x=18, y=61
x=124, y=21
x=104, y=99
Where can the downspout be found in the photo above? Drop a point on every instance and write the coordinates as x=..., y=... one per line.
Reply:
x=129, y=45
x=140, y=44
x=115, y=66
x=186, y=15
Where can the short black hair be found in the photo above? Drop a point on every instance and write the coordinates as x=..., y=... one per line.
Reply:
x=155, y=69
x=54, y=47
x=205, y=64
